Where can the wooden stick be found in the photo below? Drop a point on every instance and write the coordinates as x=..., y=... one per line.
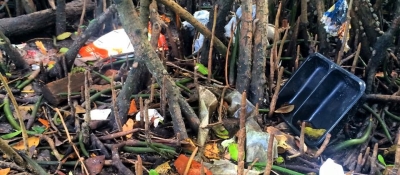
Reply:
x=212, y=45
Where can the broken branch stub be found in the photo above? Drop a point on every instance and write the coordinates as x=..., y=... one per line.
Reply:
x=134, y=28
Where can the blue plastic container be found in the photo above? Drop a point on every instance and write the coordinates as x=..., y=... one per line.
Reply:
x=322, y=93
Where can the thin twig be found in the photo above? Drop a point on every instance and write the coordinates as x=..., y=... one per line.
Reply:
x=275, y=96
x=227, y=55
x=82, y=17
x=296, y=63
x=353, y=66
x=323, y=146
x=70, y=141
x=373, y=159
x=16, y=108
x=303, y=127
x=212, y=44
x=189, y=163
x=201, y=76
x=268, y=168
x=147, y=121
x=114, y=104
x=346, y=31
x=221, y=104
x=242, y=134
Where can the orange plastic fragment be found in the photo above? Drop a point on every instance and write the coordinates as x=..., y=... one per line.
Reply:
x=181, y=162
x=44, y=122
x=132, y=107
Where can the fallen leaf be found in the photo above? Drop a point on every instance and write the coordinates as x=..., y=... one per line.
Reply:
x=313, y=133
x=64, y=36
x=44, y=122
x=128, y=126
x=79, y=109
x=32, y=141
x=285, y=109
x=211, y=151
x=379, y=74
x=5, y=171
x=63, y=50
x=132, y=107
x=41, y=47
x=95, y=164
x=163, y=168
x=202, y=69
x=181, y=162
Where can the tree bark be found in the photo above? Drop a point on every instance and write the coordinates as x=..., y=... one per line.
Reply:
x=245, y=57
x=258, y=81
x=143, y=50
x=144, y=12
x=61, y=17
x=39, y=20
x=12, y=52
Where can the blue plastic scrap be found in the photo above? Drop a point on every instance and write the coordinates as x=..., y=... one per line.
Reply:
x=335, y=17
x=335, y=21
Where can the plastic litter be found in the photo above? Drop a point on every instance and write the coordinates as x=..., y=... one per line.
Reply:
x=329, y=167
x=335, y=20
x=114, y=43
x=322, y=93
x=154, y=117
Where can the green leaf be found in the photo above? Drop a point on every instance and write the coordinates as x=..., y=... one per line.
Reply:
x=233, y=151
x=202, y=69
x=39, y=129
x=220, y=131
x=381, y=159
x=64, y=36
x=153, y=172
x=280, y=160
x=63, y=50
x=11, y=135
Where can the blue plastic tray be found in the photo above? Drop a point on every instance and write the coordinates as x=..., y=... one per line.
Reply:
x=322, y=93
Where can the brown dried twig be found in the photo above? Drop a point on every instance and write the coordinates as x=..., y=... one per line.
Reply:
x=268, y=168
x=275, y=96
x=212, y=44
x=323, y=146
x=242, y=135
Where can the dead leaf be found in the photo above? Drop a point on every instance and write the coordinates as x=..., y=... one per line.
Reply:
x=128, y=126
x=5, y=171
x=379, y=74
x=132, y=108
x=79, y=109
x=164, y=168
x=181, y=162
x=211, y=151
x=64, y=35
x=44, y=122
x=41, y=47
x=95, y=164
x=285, y=109
x=32, y=141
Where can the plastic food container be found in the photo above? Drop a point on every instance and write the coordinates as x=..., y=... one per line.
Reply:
x=322, y=93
